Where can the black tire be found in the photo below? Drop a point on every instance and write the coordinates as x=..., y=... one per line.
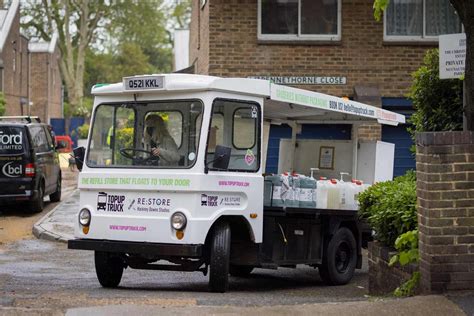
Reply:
x=109, y=268
x=56, y=196
x=219, y=258
x=37, y=204
x=240, y=271
x=340, y=258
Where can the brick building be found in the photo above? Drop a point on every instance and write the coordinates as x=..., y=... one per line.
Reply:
x=46, y=84
x=329, y=46
x=29, y=72
x=14, y=61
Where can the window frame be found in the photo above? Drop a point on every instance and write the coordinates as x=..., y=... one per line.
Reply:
x=258, y=135
x=300, y=37
x=411, y=38
x=233, y=129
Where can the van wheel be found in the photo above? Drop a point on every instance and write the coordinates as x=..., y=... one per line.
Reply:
x=240, y=271
x=37, y=204
x=340, y=258
x=219, y=258
x=109, y=268
x=56, y=196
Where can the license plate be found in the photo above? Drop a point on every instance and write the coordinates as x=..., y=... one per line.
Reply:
x=143, y=83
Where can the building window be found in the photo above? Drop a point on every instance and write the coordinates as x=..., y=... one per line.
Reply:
x=420, y=20
x=299, y=20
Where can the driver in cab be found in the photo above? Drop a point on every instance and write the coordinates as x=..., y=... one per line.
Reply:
x=159, y=142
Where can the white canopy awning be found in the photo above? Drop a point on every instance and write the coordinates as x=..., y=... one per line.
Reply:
x=292, y=104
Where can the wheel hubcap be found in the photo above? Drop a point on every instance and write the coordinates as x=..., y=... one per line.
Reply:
x=343, y=257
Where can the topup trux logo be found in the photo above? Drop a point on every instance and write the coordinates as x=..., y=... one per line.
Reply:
x=110, y=202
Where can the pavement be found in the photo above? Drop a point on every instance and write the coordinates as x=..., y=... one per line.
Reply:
x=57, y=225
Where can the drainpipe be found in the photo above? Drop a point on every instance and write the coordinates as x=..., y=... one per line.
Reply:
x=28, y=74
x=46, y=111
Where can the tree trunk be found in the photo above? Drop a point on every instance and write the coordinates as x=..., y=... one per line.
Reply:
x=465, y=9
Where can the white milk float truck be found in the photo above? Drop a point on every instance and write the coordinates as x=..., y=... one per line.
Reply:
x=197, y=202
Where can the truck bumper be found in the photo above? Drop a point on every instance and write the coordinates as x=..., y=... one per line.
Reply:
x=165, y=250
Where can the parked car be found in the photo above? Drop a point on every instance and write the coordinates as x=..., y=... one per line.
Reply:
x=64, y=142
x=29, y=164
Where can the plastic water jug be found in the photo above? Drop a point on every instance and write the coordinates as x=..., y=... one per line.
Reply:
x=275, y=181
x=307, y=196
x=267, y=192
x=291, y=198
x=345, y=195
x=352, y=191
x=322, y=193
x=334, y=191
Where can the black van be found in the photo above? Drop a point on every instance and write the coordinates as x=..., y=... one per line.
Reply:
x=29, y=163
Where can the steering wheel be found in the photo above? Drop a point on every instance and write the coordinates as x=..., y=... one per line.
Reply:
x=130, y=153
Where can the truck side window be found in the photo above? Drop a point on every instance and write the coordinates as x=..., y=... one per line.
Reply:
x=236, y=124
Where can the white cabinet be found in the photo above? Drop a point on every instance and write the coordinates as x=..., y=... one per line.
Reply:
x=375, y=161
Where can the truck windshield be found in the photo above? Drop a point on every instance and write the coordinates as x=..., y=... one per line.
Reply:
x=145, y=135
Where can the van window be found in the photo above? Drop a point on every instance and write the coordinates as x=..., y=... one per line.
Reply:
x=12, y=140
x=38, y=137
x=236, y=124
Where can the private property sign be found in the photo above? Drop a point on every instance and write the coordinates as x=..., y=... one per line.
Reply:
x=452, y=55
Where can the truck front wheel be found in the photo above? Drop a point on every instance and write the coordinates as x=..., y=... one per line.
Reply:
x=109, y=268
x=340, y=258
x=219, y=258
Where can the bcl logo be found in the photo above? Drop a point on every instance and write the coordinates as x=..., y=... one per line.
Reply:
x=12, y=171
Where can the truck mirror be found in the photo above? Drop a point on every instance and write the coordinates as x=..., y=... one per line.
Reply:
x=79, y=153
x=221, y=157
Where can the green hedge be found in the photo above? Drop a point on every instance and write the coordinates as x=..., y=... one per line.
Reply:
x=390, y=207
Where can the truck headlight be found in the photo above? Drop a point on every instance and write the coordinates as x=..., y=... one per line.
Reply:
x=84, y=217
x=178, y=221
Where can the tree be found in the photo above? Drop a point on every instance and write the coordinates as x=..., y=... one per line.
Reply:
x=76, y=23
x=465, y=10
x=3, y=104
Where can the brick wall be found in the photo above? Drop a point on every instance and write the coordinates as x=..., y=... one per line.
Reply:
x=445, y=190
x=384, y=279
x=223, y=42
x=15, y=69
x=45, y=85
x=199, y=38
x=361, y=55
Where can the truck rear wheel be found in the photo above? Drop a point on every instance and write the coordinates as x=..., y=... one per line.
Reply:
x=240, y=271
x=219, y=258
x=340, y=258
x=109, y=268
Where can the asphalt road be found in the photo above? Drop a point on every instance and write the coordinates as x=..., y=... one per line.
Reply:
x=40, y=274
x=16, y=221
